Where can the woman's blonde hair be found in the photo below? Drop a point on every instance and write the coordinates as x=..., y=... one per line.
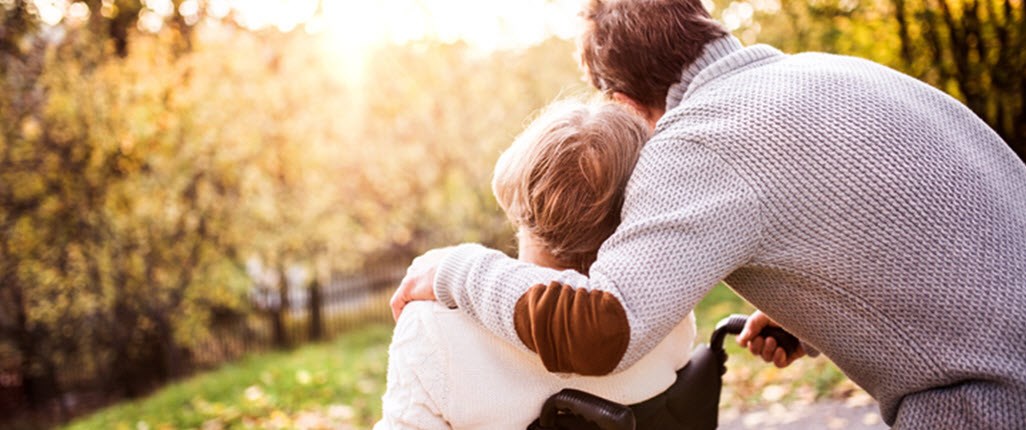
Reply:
x=563, y=179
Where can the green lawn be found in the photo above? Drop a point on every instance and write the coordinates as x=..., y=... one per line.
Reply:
x=330, y=385
x=339, y=384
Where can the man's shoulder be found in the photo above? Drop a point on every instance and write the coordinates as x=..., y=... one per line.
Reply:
x=784, y=92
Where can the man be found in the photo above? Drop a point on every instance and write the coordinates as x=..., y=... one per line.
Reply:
x=869, y=214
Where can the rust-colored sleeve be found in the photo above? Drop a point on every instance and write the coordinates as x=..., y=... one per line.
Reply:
x=573, y=330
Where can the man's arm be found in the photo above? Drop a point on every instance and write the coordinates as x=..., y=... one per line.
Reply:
x=689, y=220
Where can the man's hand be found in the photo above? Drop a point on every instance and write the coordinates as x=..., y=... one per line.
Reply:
x=419, y=282
x=765, y=347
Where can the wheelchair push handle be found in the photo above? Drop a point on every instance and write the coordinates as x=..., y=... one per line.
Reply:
x=568, y=408
x=605, y=414
x=734, y=324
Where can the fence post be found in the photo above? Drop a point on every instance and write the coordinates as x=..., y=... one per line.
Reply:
x=280, y=325
x=316, y=325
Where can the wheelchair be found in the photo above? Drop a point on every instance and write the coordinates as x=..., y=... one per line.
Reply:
x=692, y=402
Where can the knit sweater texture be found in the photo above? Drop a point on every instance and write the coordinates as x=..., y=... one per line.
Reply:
x=873, y=216
x=446, y=371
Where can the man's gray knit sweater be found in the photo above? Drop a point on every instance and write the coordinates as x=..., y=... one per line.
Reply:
x=871, y=215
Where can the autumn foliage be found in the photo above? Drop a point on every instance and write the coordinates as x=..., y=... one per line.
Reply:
x=142, y=173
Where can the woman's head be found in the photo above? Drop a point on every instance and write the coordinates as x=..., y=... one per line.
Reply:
x=562, y=181
x=639, y=48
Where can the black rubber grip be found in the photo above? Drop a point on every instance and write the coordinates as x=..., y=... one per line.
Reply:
x=607, y=415
x=784, y=339
x=734, y=324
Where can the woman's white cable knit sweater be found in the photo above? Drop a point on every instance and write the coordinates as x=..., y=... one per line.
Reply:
x=873, y=216
x=446, y=371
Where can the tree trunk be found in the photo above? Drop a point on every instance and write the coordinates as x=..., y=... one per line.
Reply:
x=35, y=385
x=906, y=39
x=1018, y=141
x=937, y=50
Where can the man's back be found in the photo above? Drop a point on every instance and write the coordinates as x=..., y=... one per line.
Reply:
x=893, y=224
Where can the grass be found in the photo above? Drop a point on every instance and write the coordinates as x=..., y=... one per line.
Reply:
x=328, y=385
x=339, y=384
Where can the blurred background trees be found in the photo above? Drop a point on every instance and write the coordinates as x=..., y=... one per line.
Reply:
x=142, y=172
x=152, y=153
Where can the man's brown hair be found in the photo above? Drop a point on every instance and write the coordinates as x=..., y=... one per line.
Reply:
x=563, y=179
x=640, y=47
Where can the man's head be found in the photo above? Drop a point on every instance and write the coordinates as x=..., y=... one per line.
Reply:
x=638, y=48
x=562, y=181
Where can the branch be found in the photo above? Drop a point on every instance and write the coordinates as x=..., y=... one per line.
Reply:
x=960, y=56
x=906, y=40
x=1001, y=29
x=983, y=93
x=936, y=46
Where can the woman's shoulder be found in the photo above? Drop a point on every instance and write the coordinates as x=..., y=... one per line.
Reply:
x=425, y=307
x=429, y=325
x=417, y=394
x=427, y=315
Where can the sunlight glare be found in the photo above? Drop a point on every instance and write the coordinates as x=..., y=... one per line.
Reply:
x=285, y=15
x=356, y=28
x=51, y=12
x=352, y=29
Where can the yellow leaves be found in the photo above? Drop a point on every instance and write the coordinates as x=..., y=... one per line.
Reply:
x=303, y=377
x=198, y=160
x=31, y=129
x=333, y=417
x=25, y=185
x=23, y=237
x=401, y=235
x=773, y=393
x=217, y=413
x=143, y=425
x=259, y=409
x=367, y=385
x=278, y=419
x=341, y=412
x=214, y=424
x=254, y=394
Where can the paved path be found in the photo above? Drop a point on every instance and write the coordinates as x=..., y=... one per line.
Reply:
x=852, y=414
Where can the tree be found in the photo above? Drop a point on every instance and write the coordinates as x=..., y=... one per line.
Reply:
x=975, y=50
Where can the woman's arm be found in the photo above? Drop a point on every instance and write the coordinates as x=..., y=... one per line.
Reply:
x=689, y=220
x=416, y=395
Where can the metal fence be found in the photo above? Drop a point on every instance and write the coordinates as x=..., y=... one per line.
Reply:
x=307, y=312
